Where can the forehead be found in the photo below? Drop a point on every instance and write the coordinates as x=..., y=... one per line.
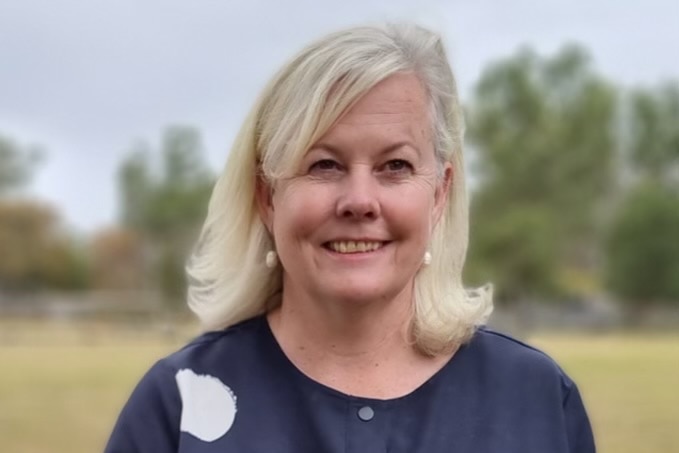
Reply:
x=395, y=109
x=399, y=95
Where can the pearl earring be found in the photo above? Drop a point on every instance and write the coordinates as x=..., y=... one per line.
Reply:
x=271, y=259
x=427, y=258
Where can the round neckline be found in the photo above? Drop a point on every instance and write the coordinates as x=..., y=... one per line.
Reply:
x=303, y=379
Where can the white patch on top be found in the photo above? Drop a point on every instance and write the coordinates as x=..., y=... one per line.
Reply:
x=208, y=405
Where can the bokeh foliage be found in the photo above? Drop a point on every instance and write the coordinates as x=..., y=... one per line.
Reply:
x=34, y=251
x=17, y=163
x=642, y=267
x=542, y=133
x=164, y=195
x=643, y=247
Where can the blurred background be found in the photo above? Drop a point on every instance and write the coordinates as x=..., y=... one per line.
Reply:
x=116, y=117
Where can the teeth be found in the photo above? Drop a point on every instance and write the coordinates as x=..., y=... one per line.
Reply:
x=354, y=246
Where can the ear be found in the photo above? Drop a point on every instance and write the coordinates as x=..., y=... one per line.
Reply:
x=264, y=199
x=441, y=192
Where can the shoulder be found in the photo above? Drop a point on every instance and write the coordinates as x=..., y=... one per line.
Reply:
x=521, y=390
x=150, y=420
x=516, y=362
x=217, y=349
x=211, y=353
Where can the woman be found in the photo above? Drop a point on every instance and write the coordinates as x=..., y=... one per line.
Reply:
x=328, y=277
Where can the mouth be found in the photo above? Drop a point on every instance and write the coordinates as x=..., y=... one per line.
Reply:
x=351, y=247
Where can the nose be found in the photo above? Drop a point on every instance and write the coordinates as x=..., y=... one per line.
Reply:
x=358, y=199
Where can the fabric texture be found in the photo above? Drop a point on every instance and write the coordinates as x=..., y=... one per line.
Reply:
x=236, y=391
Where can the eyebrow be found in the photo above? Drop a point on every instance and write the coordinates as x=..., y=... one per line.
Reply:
x=389, y=149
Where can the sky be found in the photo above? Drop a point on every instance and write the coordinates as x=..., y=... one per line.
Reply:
x=86, y=79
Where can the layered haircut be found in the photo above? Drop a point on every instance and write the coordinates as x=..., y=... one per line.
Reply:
x=228, y=279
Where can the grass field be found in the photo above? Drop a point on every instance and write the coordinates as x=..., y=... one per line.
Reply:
x=61, y=386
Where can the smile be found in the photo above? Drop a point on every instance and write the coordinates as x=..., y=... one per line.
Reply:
x=354, y=246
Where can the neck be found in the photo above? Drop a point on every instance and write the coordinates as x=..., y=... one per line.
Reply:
x=350, y=330
x=360, y=349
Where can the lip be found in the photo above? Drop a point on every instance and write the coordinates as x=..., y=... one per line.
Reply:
x=361, y=239
x=326, y=246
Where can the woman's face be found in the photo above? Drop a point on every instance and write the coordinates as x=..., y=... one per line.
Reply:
x=355, y=222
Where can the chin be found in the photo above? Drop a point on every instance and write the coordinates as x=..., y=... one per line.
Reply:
x=362, y=294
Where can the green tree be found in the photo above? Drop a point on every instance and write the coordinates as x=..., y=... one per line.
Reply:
x=654, y=133
x=17, y=163
x=518, y=254
x=541, y=130
x=165, y=200
x=135, y=186
x=643, y=248
x=642, y=253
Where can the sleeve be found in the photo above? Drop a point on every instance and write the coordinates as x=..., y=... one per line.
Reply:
x=578, y=428
x=149, y=421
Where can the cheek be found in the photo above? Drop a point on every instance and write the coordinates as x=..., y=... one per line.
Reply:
x=413, y=208
x=299, y=211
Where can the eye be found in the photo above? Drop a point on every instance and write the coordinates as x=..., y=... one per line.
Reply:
x=398, y=166
x=324, y=166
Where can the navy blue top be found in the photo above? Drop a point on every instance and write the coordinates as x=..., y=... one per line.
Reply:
x=496, y=395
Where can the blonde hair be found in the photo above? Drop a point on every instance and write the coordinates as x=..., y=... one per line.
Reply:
x=228, y=279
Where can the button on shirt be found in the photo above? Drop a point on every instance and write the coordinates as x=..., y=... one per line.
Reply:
x=236, y=391
x=366, y=413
